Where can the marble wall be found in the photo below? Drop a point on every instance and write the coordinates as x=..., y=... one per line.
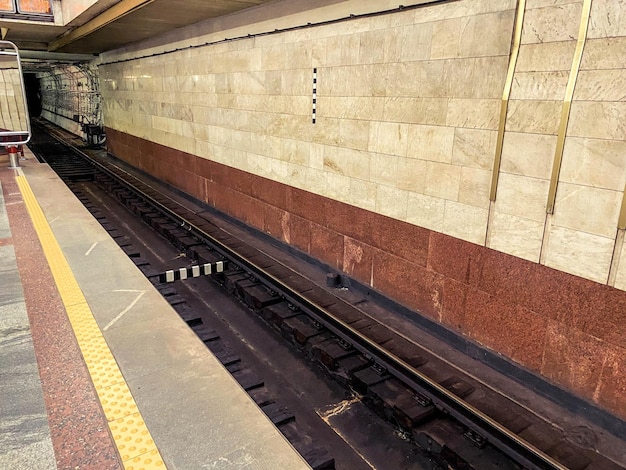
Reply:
x=401, y=154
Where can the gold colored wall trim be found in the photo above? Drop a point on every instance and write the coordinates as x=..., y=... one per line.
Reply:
x=504, y=106
x=621, y=223
x=567, y=104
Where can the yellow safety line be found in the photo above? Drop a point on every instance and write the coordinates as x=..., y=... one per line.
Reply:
x=567, y=104
x=504, y=106
x=130, y=434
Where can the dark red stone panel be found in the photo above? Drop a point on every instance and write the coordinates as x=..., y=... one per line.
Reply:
x=327, y=245
x=308, y=206
x=454, y=304
x=204, y=168
x=276, y=223
x=272, y=193
x=253, y=212
x=507, y=328
x=408, y=283
x=358, y=259
x=573, y=358
x=454, y=258
x=300, y=233
x=612, y=391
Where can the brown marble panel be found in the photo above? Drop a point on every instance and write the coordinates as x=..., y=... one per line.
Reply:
x=327, y=245
x=507, y=328
x=404, y=240
x=276, y=223
x=254, y=212
x=352, y=221
x=204, y=167
x=454, y=258
x=308, y=205
x=408, y=283
x=300, y=233
x=358, y=259
x=271, y=192
x=612, y=391
x=573, y=359
x=454, y=301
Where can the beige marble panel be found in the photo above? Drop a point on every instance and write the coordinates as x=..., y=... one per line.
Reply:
x=552, y=23
x=426, y=211
x=411, y=174
x=388, y=137
x=336, y=186
x=465, y=222
x=601, y=120
x=293, y=151
x=368, y=80
x=522, y=196
x=343, y=49
x=432, y=143
x=362, y=194
x=384, y=169
x=317, y=153
x=535, y=117
x=587, y=209
x=459, y=77
x=415, y=79
x=604, y=53
x=601, y=85
x=551, y=56
x=354, y=134
x=474, y=187
x=579, y=253
x=442, y=180
x=486, y=35
x=415, y=41
x=490, y=77
x=391, y=202
x=416, y=110
x=516, y=236
x=620, y=278
x=372, y=47
x=608, y=19
x=347, y=162
x=473, y=113
x=528, y=154
x=446, y=39
x=543, y=86
x=594, y=162
x=474, y=148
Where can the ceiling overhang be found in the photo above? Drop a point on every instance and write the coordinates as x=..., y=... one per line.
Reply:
x=110, y=24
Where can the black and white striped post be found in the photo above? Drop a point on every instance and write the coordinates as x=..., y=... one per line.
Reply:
x=194, y=271
x=314, y=95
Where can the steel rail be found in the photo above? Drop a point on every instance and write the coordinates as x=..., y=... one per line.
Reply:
x=499, y=436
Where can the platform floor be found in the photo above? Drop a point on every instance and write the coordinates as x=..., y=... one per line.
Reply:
x=96, y=368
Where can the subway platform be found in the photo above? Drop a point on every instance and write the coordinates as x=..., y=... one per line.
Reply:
x=97, y=371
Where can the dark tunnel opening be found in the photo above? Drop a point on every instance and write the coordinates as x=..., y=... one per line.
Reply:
x=33, y=94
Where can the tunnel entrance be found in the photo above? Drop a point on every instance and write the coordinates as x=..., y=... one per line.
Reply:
x=33, y=94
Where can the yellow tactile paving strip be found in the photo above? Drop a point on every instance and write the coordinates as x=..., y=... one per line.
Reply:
x=132, y=438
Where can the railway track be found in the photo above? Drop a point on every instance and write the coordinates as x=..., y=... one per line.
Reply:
x=461, y=422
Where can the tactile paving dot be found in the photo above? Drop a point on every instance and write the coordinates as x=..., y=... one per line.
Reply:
x=148, y=461
x=131, y=436
x=117, y=401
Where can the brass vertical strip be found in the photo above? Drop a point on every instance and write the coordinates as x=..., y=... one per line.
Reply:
x=567, y=104
x=621, y=223
x=517, y=38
